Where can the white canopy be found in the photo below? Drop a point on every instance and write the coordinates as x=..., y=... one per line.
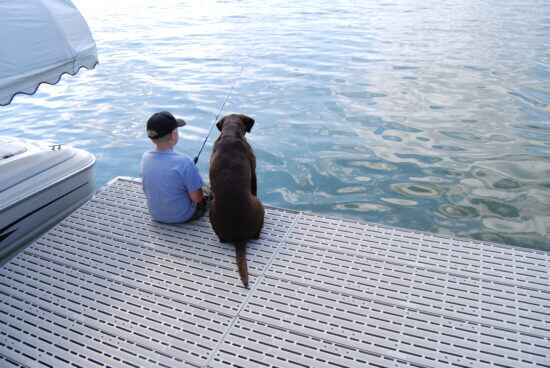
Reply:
x=39, y=41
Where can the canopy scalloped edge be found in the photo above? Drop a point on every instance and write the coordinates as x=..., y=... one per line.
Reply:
x=50, y=82
x=44, y=40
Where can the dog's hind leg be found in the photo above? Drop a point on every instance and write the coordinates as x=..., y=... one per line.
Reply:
x=257, y=235
x=262, y=219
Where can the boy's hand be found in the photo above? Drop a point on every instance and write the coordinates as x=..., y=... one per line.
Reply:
x=196, y=196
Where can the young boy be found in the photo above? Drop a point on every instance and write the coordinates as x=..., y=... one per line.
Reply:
x=171, y=181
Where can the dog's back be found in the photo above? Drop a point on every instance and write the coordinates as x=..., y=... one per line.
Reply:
x=236, y=214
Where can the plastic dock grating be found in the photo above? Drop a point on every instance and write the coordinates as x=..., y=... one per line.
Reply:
x=108, y=287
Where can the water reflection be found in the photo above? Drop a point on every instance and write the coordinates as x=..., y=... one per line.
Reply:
x=428, y=115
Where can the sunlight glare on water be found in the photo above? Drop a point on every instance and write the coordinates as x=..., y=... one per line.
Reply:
x=427, y=115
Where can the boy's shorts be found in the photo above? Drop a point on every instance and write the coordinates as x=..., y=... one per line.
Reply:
x=202, y=207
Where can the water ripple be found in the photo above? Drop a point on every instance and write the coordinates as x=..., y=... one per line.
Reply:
x=428, y=115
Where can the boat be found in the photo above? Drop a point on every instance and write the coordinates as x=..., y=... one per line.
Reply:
x=40, y=184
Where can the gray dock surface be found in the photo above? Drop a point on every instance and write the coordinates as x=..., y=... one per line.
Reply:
x=108, y=287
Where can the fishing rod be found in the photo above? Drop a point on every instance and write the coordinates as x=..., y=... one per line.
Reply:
x=196, y=159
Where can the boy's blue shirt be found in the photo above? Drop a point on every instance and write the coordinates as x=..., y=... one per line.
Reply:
x=168, y=177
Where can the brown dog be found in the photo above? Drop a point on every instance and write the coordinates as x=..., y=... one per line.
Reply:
x=236, y=214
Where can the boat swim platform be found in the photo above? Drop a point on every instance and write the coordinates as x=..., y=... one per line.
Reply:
x=108, y=287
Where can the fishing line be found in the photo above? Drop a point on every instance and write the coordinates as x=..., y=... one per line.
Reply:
x=196, y=159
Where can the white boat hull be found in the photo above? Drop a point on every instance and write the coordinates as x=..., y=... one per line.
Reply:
x=38, y=188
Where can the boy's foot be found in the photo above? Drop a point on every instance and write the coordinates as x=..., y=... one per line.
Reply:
x=200, y=210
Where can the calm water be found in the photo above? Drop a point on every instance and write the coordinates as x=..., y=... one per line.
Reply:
x=427, y=115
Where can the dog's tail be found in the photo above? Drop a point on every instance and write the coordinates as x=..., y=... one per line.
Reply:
x=240, y=248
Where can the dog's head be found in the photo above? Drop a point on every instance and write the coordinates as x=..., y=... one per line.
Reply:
x=245, y=121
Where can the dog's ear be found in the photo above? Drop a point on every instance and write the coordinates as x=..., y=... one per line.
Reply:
x=248, y=122
x=219, y=124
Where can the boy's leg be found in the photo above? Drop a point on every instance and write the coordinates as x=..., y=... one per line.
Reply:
x=201, y=208
x=207, y=193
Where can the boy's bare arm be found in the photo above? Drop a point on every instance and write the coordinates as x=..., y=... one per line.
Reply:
x=196, y=196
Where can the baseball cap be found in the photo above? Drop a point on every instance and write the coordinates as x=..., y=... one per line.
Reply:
x=162, y=123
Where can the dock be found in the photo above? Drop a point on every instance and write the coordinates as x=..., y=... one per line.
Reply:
x=108, y=287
